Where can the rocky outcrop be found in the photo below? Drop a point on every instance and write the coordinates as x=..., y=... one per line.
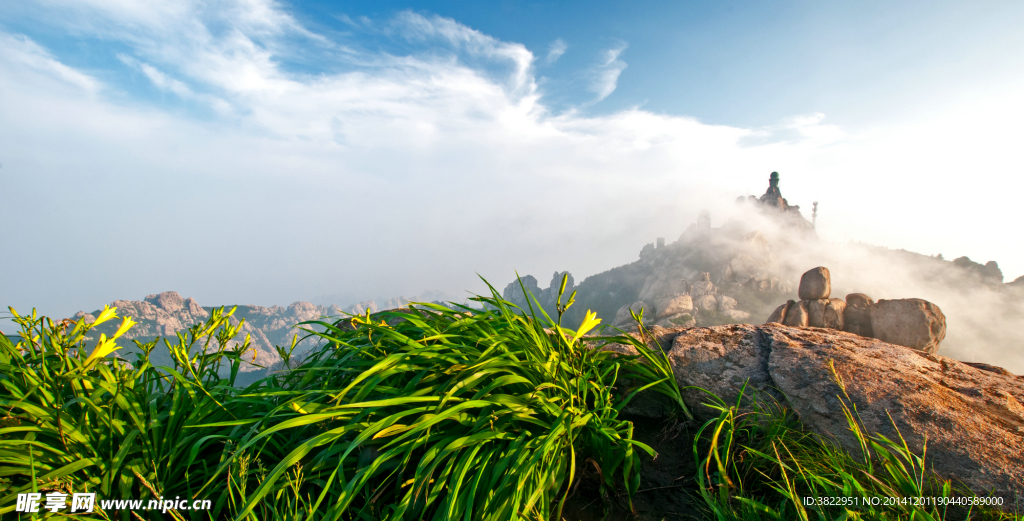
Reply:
x=827, y=313
x=988, y=273
x=815, y=284
x=973, y=418
x=547, y=297
x=674, y=305
x=670, y=301
x=913, y=323
x=910, y=322
x=774, y=205
x=162, y=314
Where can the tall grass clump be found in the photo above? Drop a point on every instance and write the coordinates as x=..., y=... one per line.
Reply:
x=756, y=463
x=440, y=413
x=426, y=413
x=77, y=421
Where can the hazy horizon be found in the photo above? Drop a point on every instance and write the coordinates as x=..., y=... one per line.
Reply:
x=262, y=152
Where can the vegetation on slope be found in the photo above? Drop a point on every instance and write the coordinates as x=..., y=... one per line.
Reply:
x=444, y=414
x=429, y=413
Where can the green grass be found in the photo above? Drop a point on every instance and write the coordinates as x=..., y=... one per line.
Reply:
x=444, y=414
x=429, y=413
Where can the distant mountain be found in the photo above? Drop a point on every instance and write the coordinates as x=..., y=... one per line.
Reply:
x=167, y=313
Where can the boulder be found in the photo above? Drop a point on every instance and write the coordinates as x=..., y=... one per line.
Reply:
x=910, y=322
x=826, y=313
x=677, y=305
x=858, y=314
x=815, y=284
x=798, y=314
x=779, y=315
x=816, y=312
x=706, y=302
x=973, y=419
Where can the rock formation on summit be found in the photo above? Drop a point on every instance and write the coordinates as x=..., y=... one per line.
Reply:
x=773, y=204
x=756, y=256
x=708, y=276
x=913, y=322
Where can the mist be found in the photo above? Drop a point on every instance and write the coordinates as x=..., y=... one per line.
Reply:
x=268, y=160
x=984, y=314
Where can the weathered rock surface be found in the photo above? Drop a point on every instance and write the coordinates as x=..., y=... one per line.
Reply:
x=681, y=320
x=779, y=314
x=815, y=284
x=910, y=322
x=677, y=305
x=827, y=313
x=913, y=323
x=719, y=359
x=858, y=315
x=973, y=418
x=798, y=314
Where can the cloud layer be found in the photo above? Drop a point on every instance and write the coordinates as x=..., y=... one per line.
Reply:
x=234, y=155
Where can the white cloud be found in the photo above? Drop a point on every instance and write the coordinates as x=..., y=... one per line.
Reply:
x=391, y=174
x=20, y=49
x=606, y=74
x=416, y=26
x=555, y=51
x=808, y=128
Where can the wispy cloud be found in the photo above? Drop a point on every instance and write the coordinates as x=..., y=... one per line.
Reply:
x=555, y=51
x=391, y=172
x=606, y=74
x=20, y=49
x=416, y=26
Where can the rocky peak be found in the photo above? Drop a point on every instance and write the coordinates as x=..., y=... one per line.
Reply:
x=989, y=273
x=169, y=301
x=772, y=203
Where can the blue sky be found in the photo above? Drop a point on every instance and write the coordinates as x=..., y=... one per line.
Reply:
x=265, y=152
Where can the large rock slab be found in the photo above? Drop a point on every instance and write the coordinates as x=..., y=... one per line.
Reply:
x=910, y=322
x=718, y=359
x=973, y=418
x=815, y=284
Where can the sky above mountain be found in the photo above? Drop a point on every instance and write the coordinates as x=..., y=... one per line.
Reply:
x=260, y=152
